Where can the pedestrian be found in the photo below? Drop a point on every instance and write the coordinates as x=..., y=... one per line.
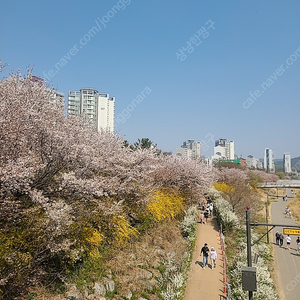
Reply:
x=213, y=258
x=201, y=217
x=298, y=244
x=203, y=205
x=281, y=239
x=287, y=212
x=206, y=215
x=288, y=241
x=211, y=208
x=277, y=235
x=205, y=252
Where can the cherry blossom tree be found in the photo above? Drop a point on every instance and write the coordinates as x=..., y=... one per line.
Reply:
x=264, y=176
x=190, y=177
x=237, y=190
x=67, y=190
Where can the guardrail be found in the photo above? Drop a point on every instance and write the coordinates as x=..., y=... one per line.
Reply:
x=223, y=260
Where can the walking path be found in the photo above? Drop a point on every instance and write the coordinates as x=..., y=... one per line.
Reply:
x=205, y=284
x=287, y=262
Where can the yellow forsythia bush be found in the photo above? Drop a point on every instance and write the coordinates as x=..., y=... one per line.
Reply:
x=223, y=187
x=121, y=229
x=165, y=205
x=93, y=239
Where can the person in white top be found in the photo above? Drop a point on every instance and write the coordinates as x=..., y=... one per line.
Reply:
x=211, y=208
x=288, y=241
x=213, y=257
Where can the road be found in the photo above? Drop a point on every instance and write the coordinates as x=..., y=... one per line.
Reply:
x=287, y=262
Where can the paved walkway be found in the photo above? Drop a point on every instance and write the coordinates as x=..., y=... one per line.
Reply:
x=205, y=284
x=287, y=262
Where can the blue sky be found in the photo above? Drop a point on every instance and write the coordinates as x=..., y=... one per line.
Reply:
x=228, y=86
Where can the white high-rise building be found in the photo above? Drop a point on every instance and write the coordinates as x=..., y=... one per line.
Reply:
x=58, y=98
x=252, y=162
x=99, y=108
x=269, y=165
x=190, y=149
x=287, y=163
x=224, y=149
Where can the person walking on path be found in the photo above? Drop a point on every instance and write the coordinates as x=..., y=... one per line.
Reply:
x=277, y=235
x=205, y=252
x=201, y=218
x=206, y=213
x=211, y=208
x=288, y=241
x=287, y=212
x=213, y=258
x=281, y=239
x=298, y=244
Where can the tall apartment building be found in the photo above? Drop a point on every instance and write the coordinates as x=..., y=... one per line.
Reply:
x=190, y=149
x=269, y=165
x=287, y=163
x=224, y=149
x=99, y=108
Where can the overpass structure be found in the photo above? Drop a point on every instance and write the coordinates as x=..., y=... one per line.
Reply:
x=281, y=184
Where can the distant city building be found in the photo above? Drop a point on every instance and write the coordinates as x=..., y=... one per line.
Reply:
x=99, y=108
x=190, y=149
x=287, y=165
x=269, y=165
x=224, y=149
x=56, y=98
x=253, y=163
x=243, y=162
x=206, y=160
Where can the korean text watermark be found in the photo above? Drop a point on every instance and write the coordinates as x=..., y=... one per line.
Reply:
x=204, y=142
x=195, y=40
x=126, y=113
